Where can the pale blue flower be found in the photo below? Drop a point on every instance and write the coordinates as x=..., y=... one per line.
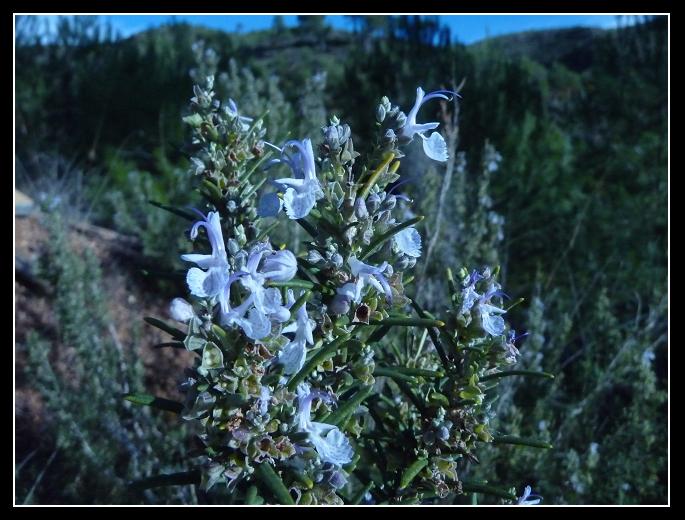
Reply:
x=340, y=304
x=280, y=267
x=329, y=442
x=408, y=242
x=490, y=315
x=294, y=354
x=211, y=276
x=469, y=295
x=433, y=146
x=232, y=110
x=492, y=322
x=303, y=326
x=236, y=315
x=263, y=305
x=469, y=298
x=292, y=357
x=303, y=189
x=374, y=276
x=529, y=499
x=512, y=353
x=351, y=292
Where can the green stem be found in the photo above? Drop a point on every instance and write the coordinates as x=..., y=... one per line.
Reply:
x=172, y=344
x=340, y=416
x=155, y=402
x=308, y=227
x=266, y=231
x=360, y=496
x=179, y=212
x=434, y=338
x=299, y=284
x=418, y=372
x=213, y=190
x=408, y=322
x=256, y=122
x=252, y=498
x=257, y=164
x=389, y=372
x=251, y=191
x=387, y=159
x=378, y=334
x=300, y=301
x=322, y=355
x=507, y=373
x=412, y=472
x=176, y=333
x=412, y=397
x=274, y=482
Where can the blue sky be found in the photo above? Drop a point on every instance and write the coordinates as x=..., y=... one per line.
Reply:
x=465, y=28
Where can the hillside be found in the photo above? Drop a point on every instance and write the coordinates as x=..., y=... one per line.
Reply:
x=572, y=47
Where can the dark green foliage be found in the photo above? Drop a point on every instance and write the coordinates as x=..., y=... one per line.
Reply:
x=126, y=205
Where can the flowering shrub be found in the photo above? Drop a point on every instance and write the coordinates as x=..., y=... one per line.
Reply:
x=320, y=378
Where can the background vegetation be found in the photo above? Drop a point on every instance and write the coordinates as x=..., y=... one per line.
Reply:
x=560, y=178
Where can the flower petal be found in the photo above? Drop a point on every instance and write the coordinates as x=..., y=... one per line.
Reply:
x=269, y=205
x=203, y=261
x=272, y=304
x=408, y=242
x=435, y=147
x=298, y=205
x=493, y=325
x=330, y=443
x=292, y=357
x=257, y=325
x=206, y=284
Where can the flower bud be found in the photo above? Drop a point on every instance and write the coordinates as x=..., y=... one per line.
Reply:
x=331, y=137
x=280, y=267
x=360, y=209
x=181, y=310
x=339, y=305
x=380, y=113
x=344, y=133
x=390, y=136
x=373, y=202
x=337, y=260
x=389, y=202
x=233, y=246
x=314, y=256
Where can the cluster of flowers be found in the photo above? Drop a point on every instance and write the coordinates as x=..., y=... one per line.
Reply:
x=287, y=388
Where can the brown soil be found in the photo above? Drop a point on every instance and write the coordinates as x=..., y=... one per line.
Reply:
x=129, y=299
